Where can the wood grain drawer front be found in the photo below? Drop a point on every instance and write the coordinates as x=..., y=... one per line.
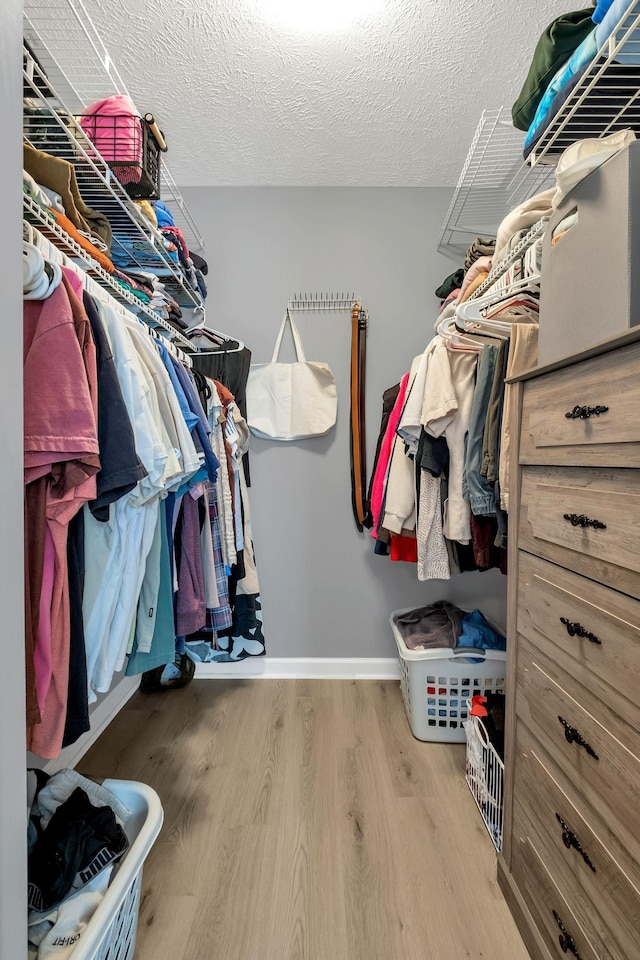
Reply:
x=603, y=772
x=603, y=899
x=609, y=438
x=558, y=927
x=591, y=631
x=587, y=520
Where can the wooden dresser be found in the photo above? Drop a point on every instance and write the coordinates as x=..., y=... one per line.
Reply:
x=570, y=867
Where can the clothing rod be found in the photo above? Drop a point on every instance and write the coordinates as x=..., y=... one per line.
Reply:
x=318, y=302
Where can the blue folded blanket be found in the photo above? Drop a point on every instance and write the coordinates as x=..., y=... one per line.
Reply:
x=477, y=633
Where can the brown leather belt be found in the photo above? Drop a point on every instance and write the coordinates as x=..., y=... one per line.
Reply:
x=361, y=511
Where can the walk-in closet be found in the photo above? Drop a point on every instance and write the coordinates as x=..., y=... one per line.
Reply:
x=320, y=564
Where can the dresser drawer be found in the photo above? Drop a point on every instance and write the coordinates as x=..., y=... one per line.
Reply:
x=591, y=631
x=610, y=439
x=601, y=772
x=587, y=520
x=601, y=896
x=558, y=927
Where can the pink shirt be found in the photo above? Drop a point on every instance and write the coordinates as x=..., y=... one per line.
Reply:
x=56, y=391
x=377, y=488
x=60, y=402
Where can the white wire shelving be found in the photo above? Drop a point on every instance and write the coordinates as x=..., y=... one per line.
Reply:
x=605, y=99
x=46, y=224
x=494, y=179
x=75, y=69
x=495, y=176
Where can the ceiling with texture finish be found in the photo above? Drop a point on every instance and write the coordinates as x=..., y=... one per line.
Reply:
x=394, y=99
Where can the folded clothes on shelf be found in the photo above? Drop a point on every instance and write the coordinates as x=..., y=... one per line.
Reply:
x=65, y=224
x=59, y=175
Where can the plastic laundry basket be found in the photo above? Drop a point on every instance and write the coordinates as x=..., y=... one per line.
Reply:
x=485, y=777
x=436, y=685
x=111, y=932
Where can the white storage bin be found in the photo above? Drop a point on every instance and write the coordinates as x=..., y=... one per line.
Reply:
x=436, y=685
x=111, y=932
x=485, y=777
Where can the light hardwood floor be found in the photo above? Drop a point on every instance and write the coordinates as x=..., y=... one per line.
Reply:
x=304, y=822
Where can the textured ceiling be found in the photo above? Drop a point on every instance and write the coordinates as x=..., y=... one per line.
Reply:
x=247, y=99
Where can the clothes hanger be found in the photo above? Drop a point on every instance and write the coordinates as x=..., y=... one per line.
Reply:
x=487, y=329
x=216, y=338
x=477, y=310
x=499, y=329
x=524, y=271
x=454, y=339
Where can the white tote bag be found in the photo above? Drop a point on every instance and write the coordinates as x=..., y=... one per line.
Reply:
x=291, y=401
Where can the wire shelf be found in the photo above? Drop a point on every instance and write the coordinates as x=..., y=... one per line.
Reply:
x=50, y=229
x=49, y=125
x=81, y=71
x=605, y=99
x=493, y=180
x=319, y=302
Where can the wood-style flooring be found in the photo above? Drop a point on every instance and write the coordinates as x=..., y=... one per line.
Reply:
x=304, y=822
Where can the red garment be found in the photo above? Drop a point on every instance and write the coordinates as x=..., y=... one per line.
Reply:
x=483, y=535
x=377, y=487
x=404, y=548
x=226, y=397
x=60, y=393
x=180, y=235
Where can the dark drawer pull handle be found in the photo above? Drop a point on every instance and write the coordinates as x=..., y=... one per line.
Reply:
x=570, y=840
x=567, y=944
x=577, y=630
x=580, y=520
x=574, y=736
x=584, y=413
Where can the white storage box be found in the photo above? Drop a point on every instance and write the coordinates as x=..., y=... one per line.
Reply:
x=111, y=932
x=436, y=685
x=485, y=777
x=590, y=288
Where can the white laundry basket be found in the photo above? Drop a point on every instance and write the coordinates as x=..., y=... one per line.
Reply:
x=111, y=932
x=485, y=777
x=436, y=685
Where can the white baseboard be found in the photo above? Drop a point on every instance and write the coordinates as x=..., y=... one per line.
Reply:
x=101, y=716
x=307, y=668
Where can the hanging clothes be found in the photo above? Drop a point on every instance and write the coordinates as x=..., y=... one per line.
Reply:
x=440, y=487
x=123, y=551
x=234, y=627
x=61, y=443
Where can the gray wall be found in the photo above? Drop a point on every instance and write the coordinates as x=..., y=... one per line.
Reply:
x=324, y=592
x=13, y=836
